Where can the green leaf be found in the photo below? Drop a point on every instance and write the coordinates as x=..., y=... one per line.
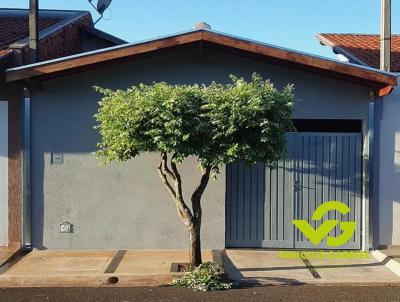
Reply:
x=218, y=123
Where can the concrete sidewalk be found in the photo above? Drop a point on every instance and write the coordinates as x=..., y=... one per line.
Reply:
x=261, y=267
x=153, y=267
x=95, y=268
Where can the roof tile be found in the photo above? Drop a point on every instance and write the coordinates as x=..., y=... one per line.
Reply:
x=14, y=28
x=365, y=47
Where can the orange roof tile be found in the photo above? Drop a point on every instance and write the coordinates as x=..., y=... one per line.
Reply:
x=364, y=47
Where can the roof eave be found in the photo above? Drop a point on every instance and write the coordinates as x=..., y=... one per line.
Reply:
x=380, y=92
x=337, y=49
x=100, y=56
x=323, y=64
x=366, y=75
x=48, y=31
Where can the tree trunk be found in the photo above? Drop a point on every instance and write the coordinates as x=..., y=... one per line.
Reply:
x=195, y=242
x=192, y=221
x=195, y=246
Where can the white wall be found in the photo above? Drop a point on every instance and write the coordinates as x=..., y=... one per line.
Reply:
x=388, y=168
x=3, y=173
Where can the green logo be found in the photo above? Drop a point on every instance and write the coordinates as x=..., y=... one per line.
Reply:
x=317, y=235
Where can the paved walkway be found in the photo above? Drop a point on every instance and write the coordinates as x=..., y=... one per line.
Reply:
x=266, y=267
x=95, y=268
x=153, y=267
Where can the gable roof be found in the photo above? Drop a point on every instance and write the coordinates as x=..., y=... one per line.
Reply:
x=16, y=28
x=60, y=33
x=14, y=23
x=383, y=82
x=362, y=48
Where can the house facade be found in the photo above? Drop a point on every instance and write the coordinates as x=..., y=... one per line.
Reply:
x=75, y=204
x=364, y=49
x=61, y=33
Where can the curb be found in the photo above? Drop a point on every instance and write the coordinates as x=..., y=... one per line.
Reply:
x=91, y=280
x=391, y=264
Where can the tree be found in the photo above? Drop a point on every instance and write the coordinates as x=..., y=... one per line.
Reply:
x=218, y=124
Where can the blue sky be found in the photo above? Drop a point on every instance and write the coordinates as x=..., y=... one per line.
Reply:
x=287, y=23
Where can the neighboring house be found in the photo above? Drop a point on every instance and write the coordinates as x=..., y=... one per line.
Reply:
x=364, y=49
x=61, y=33
x=125, y=205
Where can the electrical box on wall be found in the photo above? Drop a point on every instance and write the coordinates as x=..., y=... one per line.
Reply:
x=66, y=227
x=57, y=158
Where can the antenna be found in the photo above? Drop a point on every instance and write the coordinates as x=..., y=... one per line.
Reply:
x=101, y=6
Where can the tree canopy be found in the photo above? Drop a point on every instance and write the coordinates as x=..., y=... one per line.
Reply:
x=218, y=123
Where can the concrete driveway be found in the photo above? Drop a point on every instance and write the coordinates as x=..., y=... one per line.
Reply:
x=267, y=267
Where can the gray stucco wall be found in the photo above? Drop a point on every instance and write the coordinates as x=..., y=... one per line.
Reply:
x=125, y=205
x=388, y=169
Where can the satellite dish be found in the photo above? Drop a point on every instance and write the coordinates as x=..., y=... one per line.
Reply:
x=101, y=7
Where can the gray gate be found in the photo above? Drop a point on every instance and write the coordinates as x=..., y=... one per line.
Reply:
x=262, y=201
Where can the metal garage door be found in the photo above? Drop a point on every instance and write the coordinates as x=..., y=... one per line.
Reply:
x=262, y=202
